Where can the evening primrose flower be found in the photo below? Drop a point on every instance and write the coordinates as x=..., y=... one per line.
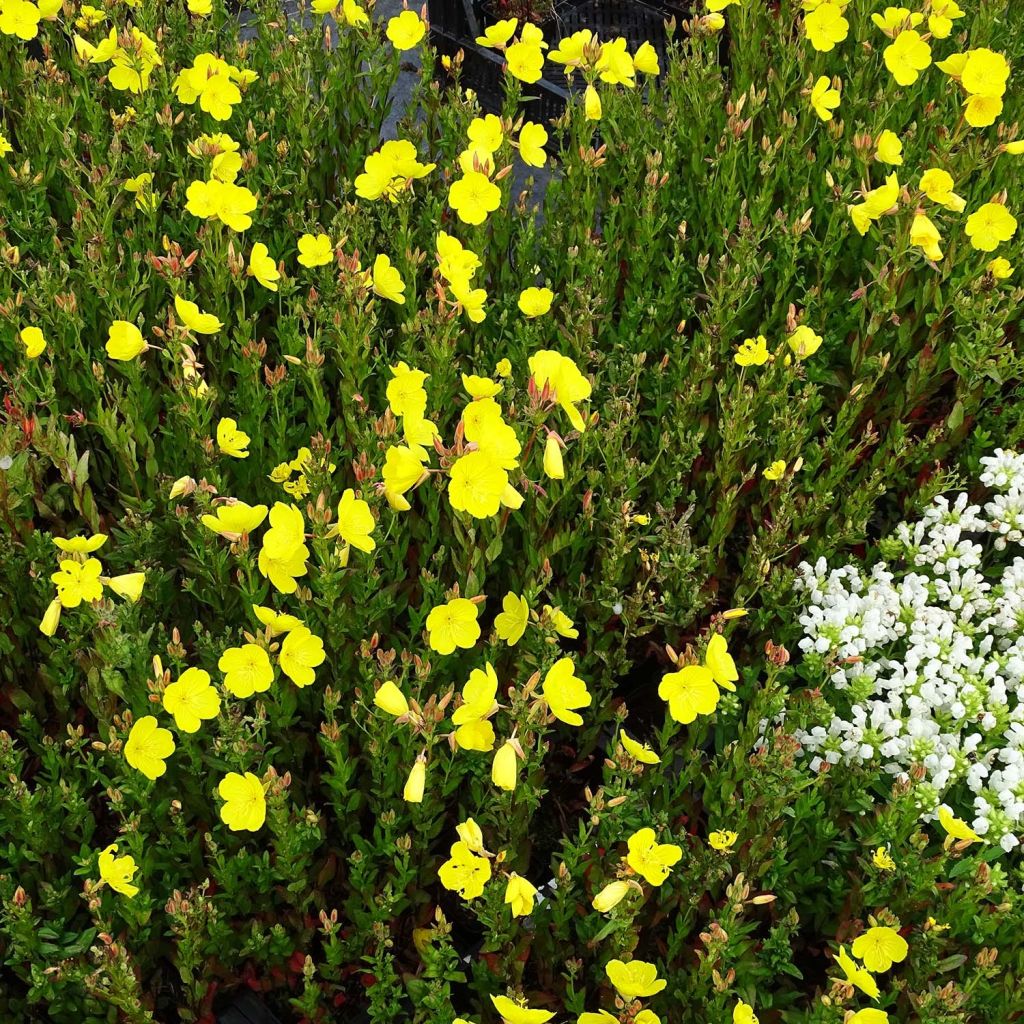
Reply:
x=856, y=975
x=649, y=858
x=245, y=804
x=937, y=185
x=720, y=662
x=453, y=625
x=262, y=267
x=78, y=581
x=416, y=783
x=390, y=170
x=895, y=20
x=520, y=894
x=882, y=860
x=614, y=64
x=191, y=700
x=510, y=622
x=124, y=341
x=33, y=340
x=532, y=140
x=1000, y=268
x=554, y=467
x=118, y=872
x=390, y=698
x=534, y=302
x=722, y=841
x=984, y=72
x=889, y=148
x=51, y=618
x=879, y=948
x=776, y=471
x=956, y=828
x=752, y=352
x=564, y=691
x=635, y=979
x=464, y=872
x=989, y=226
x=869, y=1015
x=925, y=235
x=235, y=518
x=232, y=441
x=473, y=730
x=517, y=1012
x=505, y=767
x=301, y=652
x=283, y=555
x=689, y=692
x=638, y=751
x=84, y=545
x=496, y=36
x=524, y=61
x=804, y=342
x=315, y=250
x=405, y=30
x=592, y=104
x=247, y=670
x=478, y=484
x=566, y=384
x=645, y=60
x=473, y=197
x=941, y=16
x=907, y=56
x=610, y=896
x=275, y=622
x=402, y=470
x=355, y=522
x=560, y=622
x=387, y=281
x=148, y=747
x=825, y=26
x=877, y=202
x=824, y=98
x=194, y=318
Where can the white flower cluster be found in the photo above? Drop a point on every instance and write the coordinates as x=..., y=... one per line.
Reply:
x=926, y=656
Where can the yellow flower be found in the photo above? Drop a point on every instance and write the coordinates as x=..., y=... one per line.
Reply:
x=1000, y=268
x=315, y=250
x=645, y=60
x=776, y=471
x=405, y=30
x=907, y=56
x=464, y=872
x=118, y=872
x=535, y=301
x=245, y=805
x=824, y=98
x=937, y=185
x=510, y=622
x=415, y=784
x=990, y=225
x=247, y=670
x=525, y=61
x=129, y=585
x=390, y=171
x=564, y=691
x=283, y=555
x=869, y=1015
x=191, y=700
x=78, y=581
x=262, y=267
x=753, y=352
x=477, y=484
x=387, y=281
x=532, y=140
x=503, y=368
x=200, y=8
x=402, y=470
x=405, y=393
x=194, y=319
x=804, y=342
x=649, y=858
x=504, y=767
x=275, y=622
x=610, y=896
x=889, y=148
x=34, y=342
x=718, y=659
x=882, y=860
x=925, y=235
x=390, y=698
x=565, y=384
x=520, y=894
x=689, y=692
x=498, y=34
x=80, y=545
x=825, y=26
x=148, y=747
x=124, y=341
x=473, y=197
x=897, y=19
x=722, y=840
x=592, y=104
x=232, y=441
x=471, y=834
x=480, y=387
x=474, y=731
x=517, y=1012
x=941, y=17
x=235, y=519
x=880, y=947
x=956, y=827
x=614, y=64
x=743, y=1013
x=981, y=111
x=636, y=979
x=984, y=72
x=571, y=51
x=453, y=625
x=355, y=522
x=554, y=467
x=856, y=975
x=638, y=751
x=51, y=618
x=301, y=652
